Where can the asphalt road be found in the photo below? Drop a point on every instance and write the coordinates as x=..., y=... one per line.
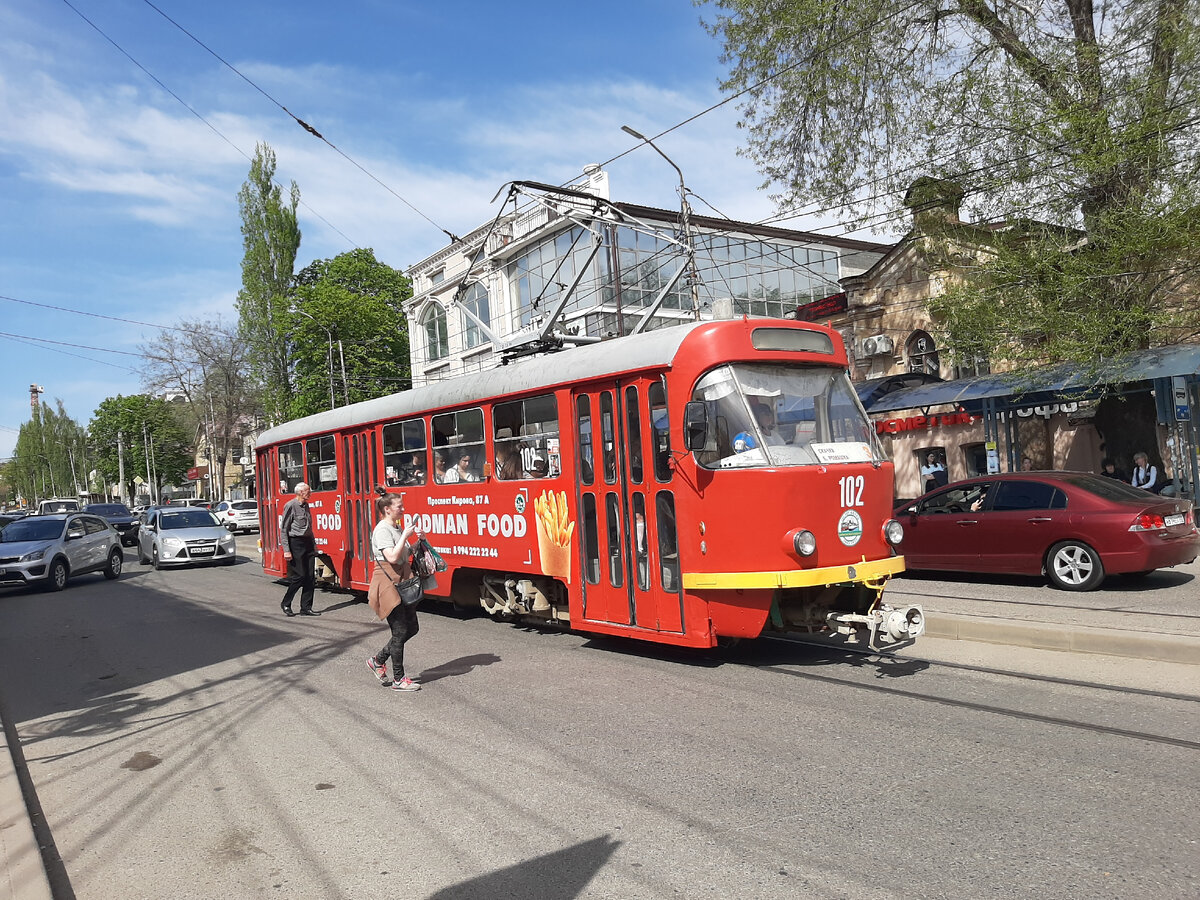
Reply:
x=186, y=740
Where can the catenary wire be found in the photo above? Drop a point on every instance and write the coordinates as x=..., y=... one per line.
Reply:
x=195, y=113
x=309, y=128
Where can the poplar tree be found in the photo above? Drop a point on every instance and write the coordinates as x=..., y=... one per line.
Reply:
x=271, y=239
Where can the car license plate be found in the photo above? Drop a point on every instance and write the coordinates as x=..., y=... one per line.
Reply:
x=1177, y=519
x=204, y=551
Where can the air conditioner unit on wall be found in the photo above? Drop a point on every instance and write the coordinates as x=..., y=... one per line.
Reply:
x=876, y=345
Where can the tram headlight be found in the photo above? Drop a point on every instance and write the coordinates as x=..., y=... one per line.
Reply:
x=804, y=543
x=893, y=532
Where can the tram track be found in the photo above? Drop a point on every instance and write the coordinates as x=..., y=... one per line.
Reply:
x=894, y=591
x=990, y=708
x=991, y=670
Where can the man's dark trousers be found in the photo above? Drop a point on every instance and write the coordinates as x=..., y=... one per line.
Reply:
x=301, y=571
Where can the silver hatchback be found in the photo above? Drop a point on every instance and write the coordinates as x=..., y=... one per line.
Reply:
x=178, y=535
x=47, y=550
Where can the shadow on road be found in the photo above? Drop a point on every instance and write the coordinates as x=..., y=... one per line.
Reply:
x=460, y=666
x=1157, y=580
x=90, y=647
x=561, y=875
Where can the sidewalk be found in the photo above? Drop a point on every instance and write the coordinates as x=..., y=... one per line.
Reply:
x=22, y=875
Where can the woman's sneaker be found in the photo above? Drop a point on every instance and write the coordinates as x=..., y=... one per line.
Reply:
x=380, y=671
x=405, y=684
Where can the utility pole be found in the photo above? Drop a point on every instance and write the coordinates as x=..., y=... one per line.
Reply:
x=153, y=460
x=146, y=448
x=121, y=465
x=345, y=390
x=329, y=333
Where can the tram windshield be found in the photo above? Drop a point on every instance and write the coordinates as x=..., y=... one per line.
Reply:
x=779, y=414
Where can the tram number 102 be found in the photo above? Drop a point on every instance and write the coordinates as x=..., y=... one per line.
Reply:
x=852, y=490
x=328, y=522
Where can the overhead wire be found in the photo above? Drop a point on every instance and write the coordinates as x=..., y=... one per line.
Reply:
x=307, y=127
x=195, y=113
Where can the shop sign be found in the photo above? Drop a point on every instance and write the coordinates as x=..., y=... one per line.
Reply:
x=820, y=309
x=196, y=473
x=916, y=423
x=1046, y=410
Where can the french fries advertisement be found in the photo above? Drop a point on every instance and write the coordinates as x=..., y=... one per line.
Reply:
x=554, y=532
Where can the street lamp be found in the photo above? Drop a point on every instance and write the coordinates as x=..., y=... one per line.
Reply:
x=685, y=215
x=329, y=332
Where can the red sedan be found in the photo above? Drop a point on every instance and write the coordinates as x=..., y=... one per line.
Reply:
x=1073, y=527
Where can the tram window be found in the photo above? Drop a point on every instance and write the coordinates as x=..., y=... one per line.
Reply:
x=405, y=454
x=355, y=473
x=322, y=464
x=668, y=546
x=660, y=426
x=633, y=434
x=771, y=414
x=583, y=420
x=291, y=467
x=641, y=542
x=591, y=540
x=608, y=437
x=526, y=438
x=616, y=559
x=458, y=446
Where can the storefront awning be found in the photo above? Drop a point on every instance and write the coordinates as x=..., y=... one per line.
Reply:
x=1043, y=385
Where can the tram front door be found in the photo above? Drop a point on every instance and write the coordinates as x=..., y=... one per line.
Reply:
x=626, y=508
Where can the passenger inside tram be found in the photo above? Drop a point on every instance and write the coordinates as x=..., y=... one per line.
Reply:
x=508, y=462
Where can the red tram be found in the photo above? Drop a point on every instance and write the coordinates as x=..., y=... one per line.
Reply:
x=704, y=481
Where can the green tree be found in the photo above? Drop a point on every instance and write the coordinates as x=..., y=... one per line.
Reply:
x=144, y=428
x=348, y=309
x=270, y=238
x=1079, y=115
x=51, y=456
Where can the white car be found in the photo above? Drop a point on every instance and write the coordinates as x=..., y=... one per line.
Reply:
x=238, y=515
x=175, y=536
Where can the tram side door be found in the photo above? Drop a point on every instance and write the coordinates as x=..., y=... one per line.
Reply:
x=269, y=509
x=359, y=453
x=603, y=514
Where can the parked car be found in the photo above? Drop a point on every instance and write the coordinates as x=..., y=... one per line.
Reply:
x=119, y=516
x=47, y=550
x=238, y=515
x=178, y=535
x=1073, y=527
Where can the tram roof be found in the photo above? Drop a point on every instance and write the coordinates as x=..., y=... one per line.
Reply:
x=630, y=353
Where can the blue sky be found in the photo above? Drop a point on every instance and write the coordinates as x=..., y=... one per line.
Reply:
x=115, y=199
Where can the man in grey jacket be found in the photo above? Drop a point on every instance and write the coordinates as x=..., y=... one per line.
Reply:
x=300, y=551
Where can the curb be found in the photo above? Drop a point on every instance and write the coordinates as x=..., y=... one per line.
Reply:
x=1174, y=648
x=22, y=875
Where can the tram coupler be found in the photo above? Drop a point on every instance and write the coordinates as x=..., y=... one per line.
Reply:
x=886, y=626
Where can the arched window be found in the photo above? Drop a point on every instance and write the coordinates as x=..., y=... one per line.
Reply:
x=437, y=345
x=475, y=300
x=922, y=354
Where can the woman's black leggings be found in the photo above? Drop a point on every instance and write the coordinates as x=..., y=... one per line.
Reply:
x=403, y=622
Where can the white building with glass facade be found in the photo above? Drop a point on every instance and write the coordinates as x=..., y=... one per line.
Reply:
x=606, y=265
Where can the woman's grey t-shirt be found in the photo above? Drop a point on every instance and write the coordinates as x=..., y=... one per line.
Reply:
x=385, y=537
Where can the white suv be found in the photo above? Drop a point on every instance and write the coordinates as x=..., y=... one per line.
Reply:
x=238, y=515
